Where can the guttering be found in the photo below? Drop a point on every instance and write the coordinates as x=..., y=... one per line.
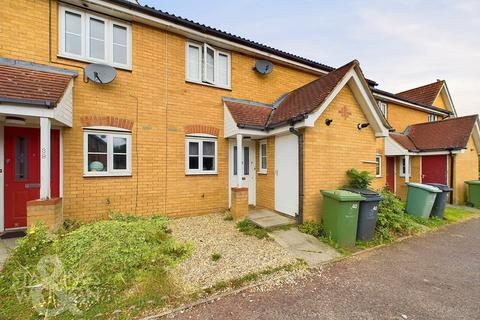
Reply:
x=289, y=122
x=300, y=173
x=39, y=103
x=247, y=126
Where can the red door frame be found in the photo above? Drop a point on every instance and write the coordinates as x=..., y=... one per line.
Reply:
x=435, y=169
x=18, y=191
x=390, y=178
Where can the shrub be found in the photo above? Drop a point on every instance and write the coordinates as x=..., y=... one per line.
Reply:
x=91, y=263
x=392, y=219
x=359, y=180
x=312, y=228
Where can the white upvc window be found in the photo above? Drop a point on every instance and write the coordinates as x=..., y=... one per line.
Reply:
x=432, y=118
x=107, y=153
x=403, y=167
x=383, y=107
x=207, y=65
x=94, y=38
x=200, y=155
x=263, y=157
x=378, y=168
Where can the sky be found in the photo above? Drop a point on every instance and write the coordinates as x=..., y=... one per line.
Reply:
x=401, y=44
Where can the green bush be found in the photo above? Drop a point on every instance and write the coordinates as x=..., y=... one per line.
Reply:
x=312, y=228
x=90, y=264
x=359, y=180
x=392, y=219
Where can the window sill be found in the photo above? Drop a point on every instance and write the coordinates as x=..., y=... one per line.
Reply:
x=208, y=84
x=86, y=60
x=201, y=173
x=262, y=172
x=109, y=175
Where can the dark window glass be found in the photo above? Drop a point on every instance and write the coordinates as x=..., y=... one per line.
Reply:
x=193, y=162
x=246, y=161
x=97, y=143
x=208, y=164
x=120, y=162
x=97, y=162
x=21, y=158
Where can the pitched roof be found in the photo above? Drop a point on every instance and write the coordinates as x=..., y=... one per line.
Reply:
x=249, y=114
x=150, y=10
x=28, y=86
x=450, y=134
x=307, y=98
x=396, y=96
x=425, y=94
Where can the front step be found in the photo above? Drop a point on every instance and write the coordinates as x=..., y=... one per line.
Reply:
x=268, y=219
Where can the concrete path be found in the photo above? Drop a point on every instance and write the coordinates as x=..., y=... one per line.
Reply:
x=5, y=246
x=304, y=246
x=269, y=219
x=436, y=276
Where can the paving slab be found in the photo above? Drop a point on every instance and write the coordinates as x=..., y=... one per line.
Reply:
x=304, y=246
x=269, y=219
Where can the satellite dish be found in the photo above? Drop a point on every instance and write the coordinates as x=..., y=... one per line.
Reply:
x=263, y=66
x=100, y=73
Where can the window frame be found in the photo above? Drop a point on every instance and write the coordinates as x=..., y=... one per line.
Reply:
x=85, y=17
x=432, y=117
x=403, y=167
x=200, y=138
x=378, y=165
x=203, y=66
x=261, y=156
x=385, y=105
x=110, y=133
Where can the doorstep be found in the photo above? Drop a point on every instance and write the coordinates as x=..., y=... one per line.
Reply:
x=268, y=219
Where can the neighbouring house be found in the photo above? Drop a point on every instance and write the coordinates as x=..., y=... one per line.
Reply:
x=188, y=126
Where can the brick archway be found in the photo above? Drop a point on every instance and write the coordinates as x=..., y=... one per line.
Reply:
x=200, y=128
x=106, y=121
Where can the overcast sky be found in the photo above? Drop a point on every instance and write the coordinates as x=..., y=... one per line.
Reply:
x=400, y=44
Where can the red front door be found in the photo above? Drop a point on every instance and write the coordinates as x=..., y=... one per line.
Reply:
x=434, y=169
x=22, y=171
x=391, y=174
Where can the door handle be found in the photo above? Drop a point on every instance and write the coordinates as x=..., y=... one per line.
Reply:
x=243, y=178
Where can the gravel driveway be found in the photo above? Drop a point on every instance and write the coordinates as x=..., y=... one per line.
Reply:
x=240, y=254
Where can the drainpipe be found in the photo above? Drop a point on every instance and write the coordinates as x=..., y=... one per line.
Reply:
x=452, y=175
x=300, y=173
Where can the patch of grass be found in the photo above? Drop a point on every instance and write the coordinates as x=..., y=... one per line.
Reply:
x=100, y=267
x=216, y=257
x=312, y=228
x=249, y=228
x=457, y=214
x=227, y=216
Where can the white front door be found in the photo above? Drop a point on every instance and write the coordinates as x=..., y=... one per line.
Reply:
x=248, y=163
x=286, y=174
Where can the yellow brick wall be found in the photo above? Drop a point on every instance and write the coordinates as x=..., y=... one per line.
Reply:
x=380, y=182
x=440, y=102
x=401, y=117
x=156, y=97
x=401, y=187
x=266, y=182
x=466, y=168
x=331, y=151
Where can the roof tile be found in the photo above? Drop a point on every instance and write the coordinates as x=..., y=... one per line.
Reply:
x=249, y=114
x=425, y=94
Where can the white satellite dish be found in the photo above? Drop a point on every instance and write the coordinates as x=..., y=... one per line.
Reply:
x=100, y=73
x=263, y=66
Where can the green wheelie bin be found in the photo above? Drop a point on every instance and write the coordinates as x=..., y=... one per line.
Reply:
x=340, y=215
x=474, y=192
x=420, y=199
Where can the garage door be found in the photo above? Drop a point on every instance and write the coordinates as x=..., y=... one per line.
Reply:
x=434, y=169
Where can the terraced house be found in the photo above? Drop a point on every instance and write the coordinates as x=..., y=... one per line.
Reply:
x=110, y=105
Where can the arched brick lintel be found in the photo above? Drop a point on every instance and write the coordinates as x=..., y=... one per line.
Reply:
x=106, y=121
x=200, y=128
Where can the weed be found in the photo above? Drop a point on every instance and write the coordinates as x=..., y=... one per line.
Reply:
x=216, y=257
x=249, y=228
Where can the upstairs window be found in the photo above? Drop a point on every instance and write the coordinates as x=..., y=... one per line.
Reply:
x=383, y=107
x=432, y=118
x=207, y=65
x=200, y=155
x=94, y=38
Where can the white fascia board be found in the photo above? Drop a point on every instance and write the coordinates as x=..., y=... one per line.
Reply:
x=195, y=35
x=230, y=128
x=476, y=137
x=449, y=101
x=404, y=103
x=26, y=111
x=366, y=103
